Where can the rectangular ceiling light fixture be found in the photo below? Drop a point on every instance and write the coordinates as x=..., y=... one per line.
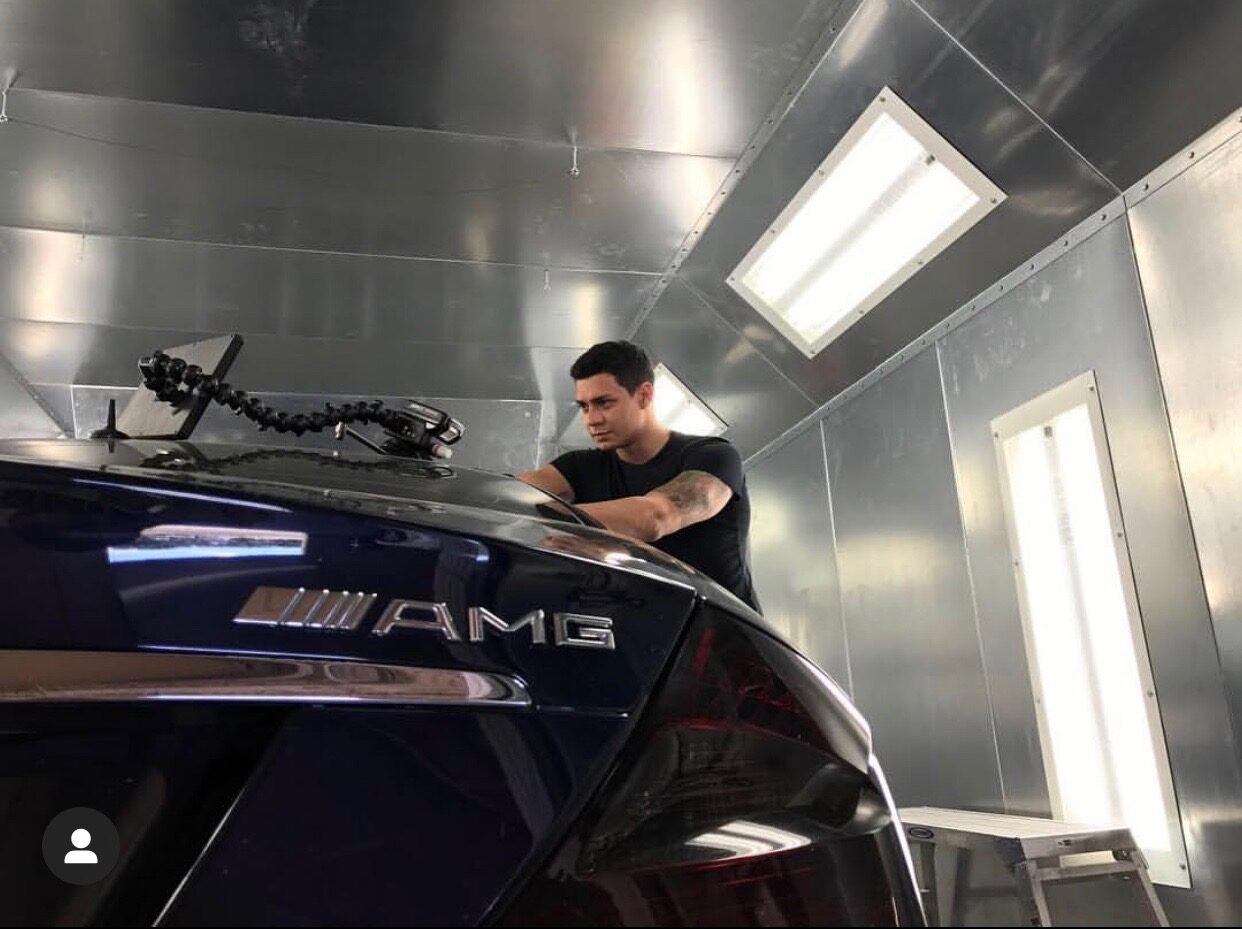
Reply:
x=679, y=409
x=888, y=198
x=1095, y=699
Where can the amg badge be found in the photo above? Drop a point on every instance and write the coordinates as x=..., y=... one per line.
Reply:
x=341, y=610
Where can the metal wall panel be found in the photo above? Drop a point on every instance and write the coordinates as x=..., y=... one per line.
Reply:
x=890, y=42
x=500, y=435
x=76, y=353
x=1085, y=312
x=792, y=553
x=905, y=592
x=723, y=368
x=163, y=284
x=674, y=75
x=548, y=447
x=1187, y=240
x=1126, y=82
x=569, y=429
x=58, y=402
x=91, y=164
x=20, y=414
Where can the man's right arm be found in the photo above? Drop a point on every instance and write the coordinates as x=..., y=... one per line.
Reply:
x=549, y=479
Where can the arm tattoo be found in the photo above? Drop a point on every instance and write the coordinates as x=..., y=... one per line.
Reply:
x=690, y=492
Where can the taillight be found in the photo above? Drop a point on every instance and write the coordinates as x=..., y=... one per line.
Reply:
x=745, y=798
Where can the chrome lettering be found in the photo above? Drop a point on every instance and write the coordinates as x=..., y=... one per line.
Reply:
x=341, y=610
x=580, y=631
x=397, y=617
x=480, y=617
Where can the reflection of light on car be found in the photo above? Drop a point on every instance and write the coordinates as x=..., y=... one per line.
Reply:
x=172, y=543
x=185, y=495
x=742, y=839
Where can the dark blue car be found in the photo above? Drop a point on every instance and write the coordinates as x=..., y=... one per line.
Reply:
x=310, y=687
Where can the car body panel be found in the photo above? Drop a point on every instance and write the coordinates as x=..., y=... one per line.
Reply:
x=312, y=687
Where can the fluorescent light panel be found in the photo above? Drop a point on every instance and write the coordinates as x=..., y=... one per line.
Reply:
x=889, y=197
x=1100, y=724
x=680, y=410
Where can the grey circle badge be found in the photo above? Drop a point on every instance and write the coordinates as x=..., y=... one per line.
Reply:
x=81, y=846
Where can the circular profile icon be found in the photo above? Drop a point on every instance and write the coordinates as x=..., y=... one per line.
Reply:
x=81, y=846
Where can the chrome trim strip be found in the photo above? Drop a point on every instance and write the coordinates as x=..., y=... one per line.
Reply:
x=52, y=676
x=285, y=613
x=307, y=618
x=338, y=599
x=350, y=619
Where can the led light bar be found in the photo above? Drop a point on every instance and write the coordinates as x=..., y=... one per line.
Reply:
x=888, y=198
x=1100, y=725
x=679, y=409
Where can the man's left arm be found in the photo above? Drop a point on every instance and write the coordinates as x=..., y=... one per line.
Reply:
x=713, y=473
x=691, y=497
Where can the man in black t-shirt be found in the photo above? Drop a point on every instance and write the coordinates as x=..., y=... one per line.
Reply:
x=684, y=494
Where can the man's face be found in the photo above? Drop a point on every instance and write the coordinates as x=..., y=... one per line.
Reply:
x=612, y=415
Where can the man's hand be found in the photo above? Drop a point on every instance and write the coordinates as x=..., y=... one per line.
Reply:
x=691, y=497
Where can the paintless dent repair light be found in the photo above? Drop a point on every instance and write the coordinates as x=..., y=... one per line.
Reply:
x=891, y=195
x=679, y=409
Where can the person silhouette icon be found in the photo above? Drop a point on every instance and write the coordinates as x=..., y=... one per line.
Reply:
x=92, y=843
x=80, y=854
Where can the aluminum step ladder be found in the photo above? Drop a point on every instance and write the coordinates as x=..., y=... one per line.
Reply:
x=1031, y=850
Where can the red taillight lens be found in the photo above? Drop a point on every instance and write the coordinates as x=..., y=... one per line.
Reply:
x=743, y=799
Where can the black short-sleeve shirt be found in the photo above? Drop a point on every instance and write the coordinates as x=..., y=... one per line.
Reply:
x=719, y=547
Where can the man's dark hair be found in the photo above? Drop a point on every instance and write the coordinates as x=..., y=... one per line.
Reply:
x=625, y=361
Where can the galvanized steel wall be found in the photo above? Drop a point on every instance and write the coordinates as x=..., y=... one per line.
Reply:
x=928, y=601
